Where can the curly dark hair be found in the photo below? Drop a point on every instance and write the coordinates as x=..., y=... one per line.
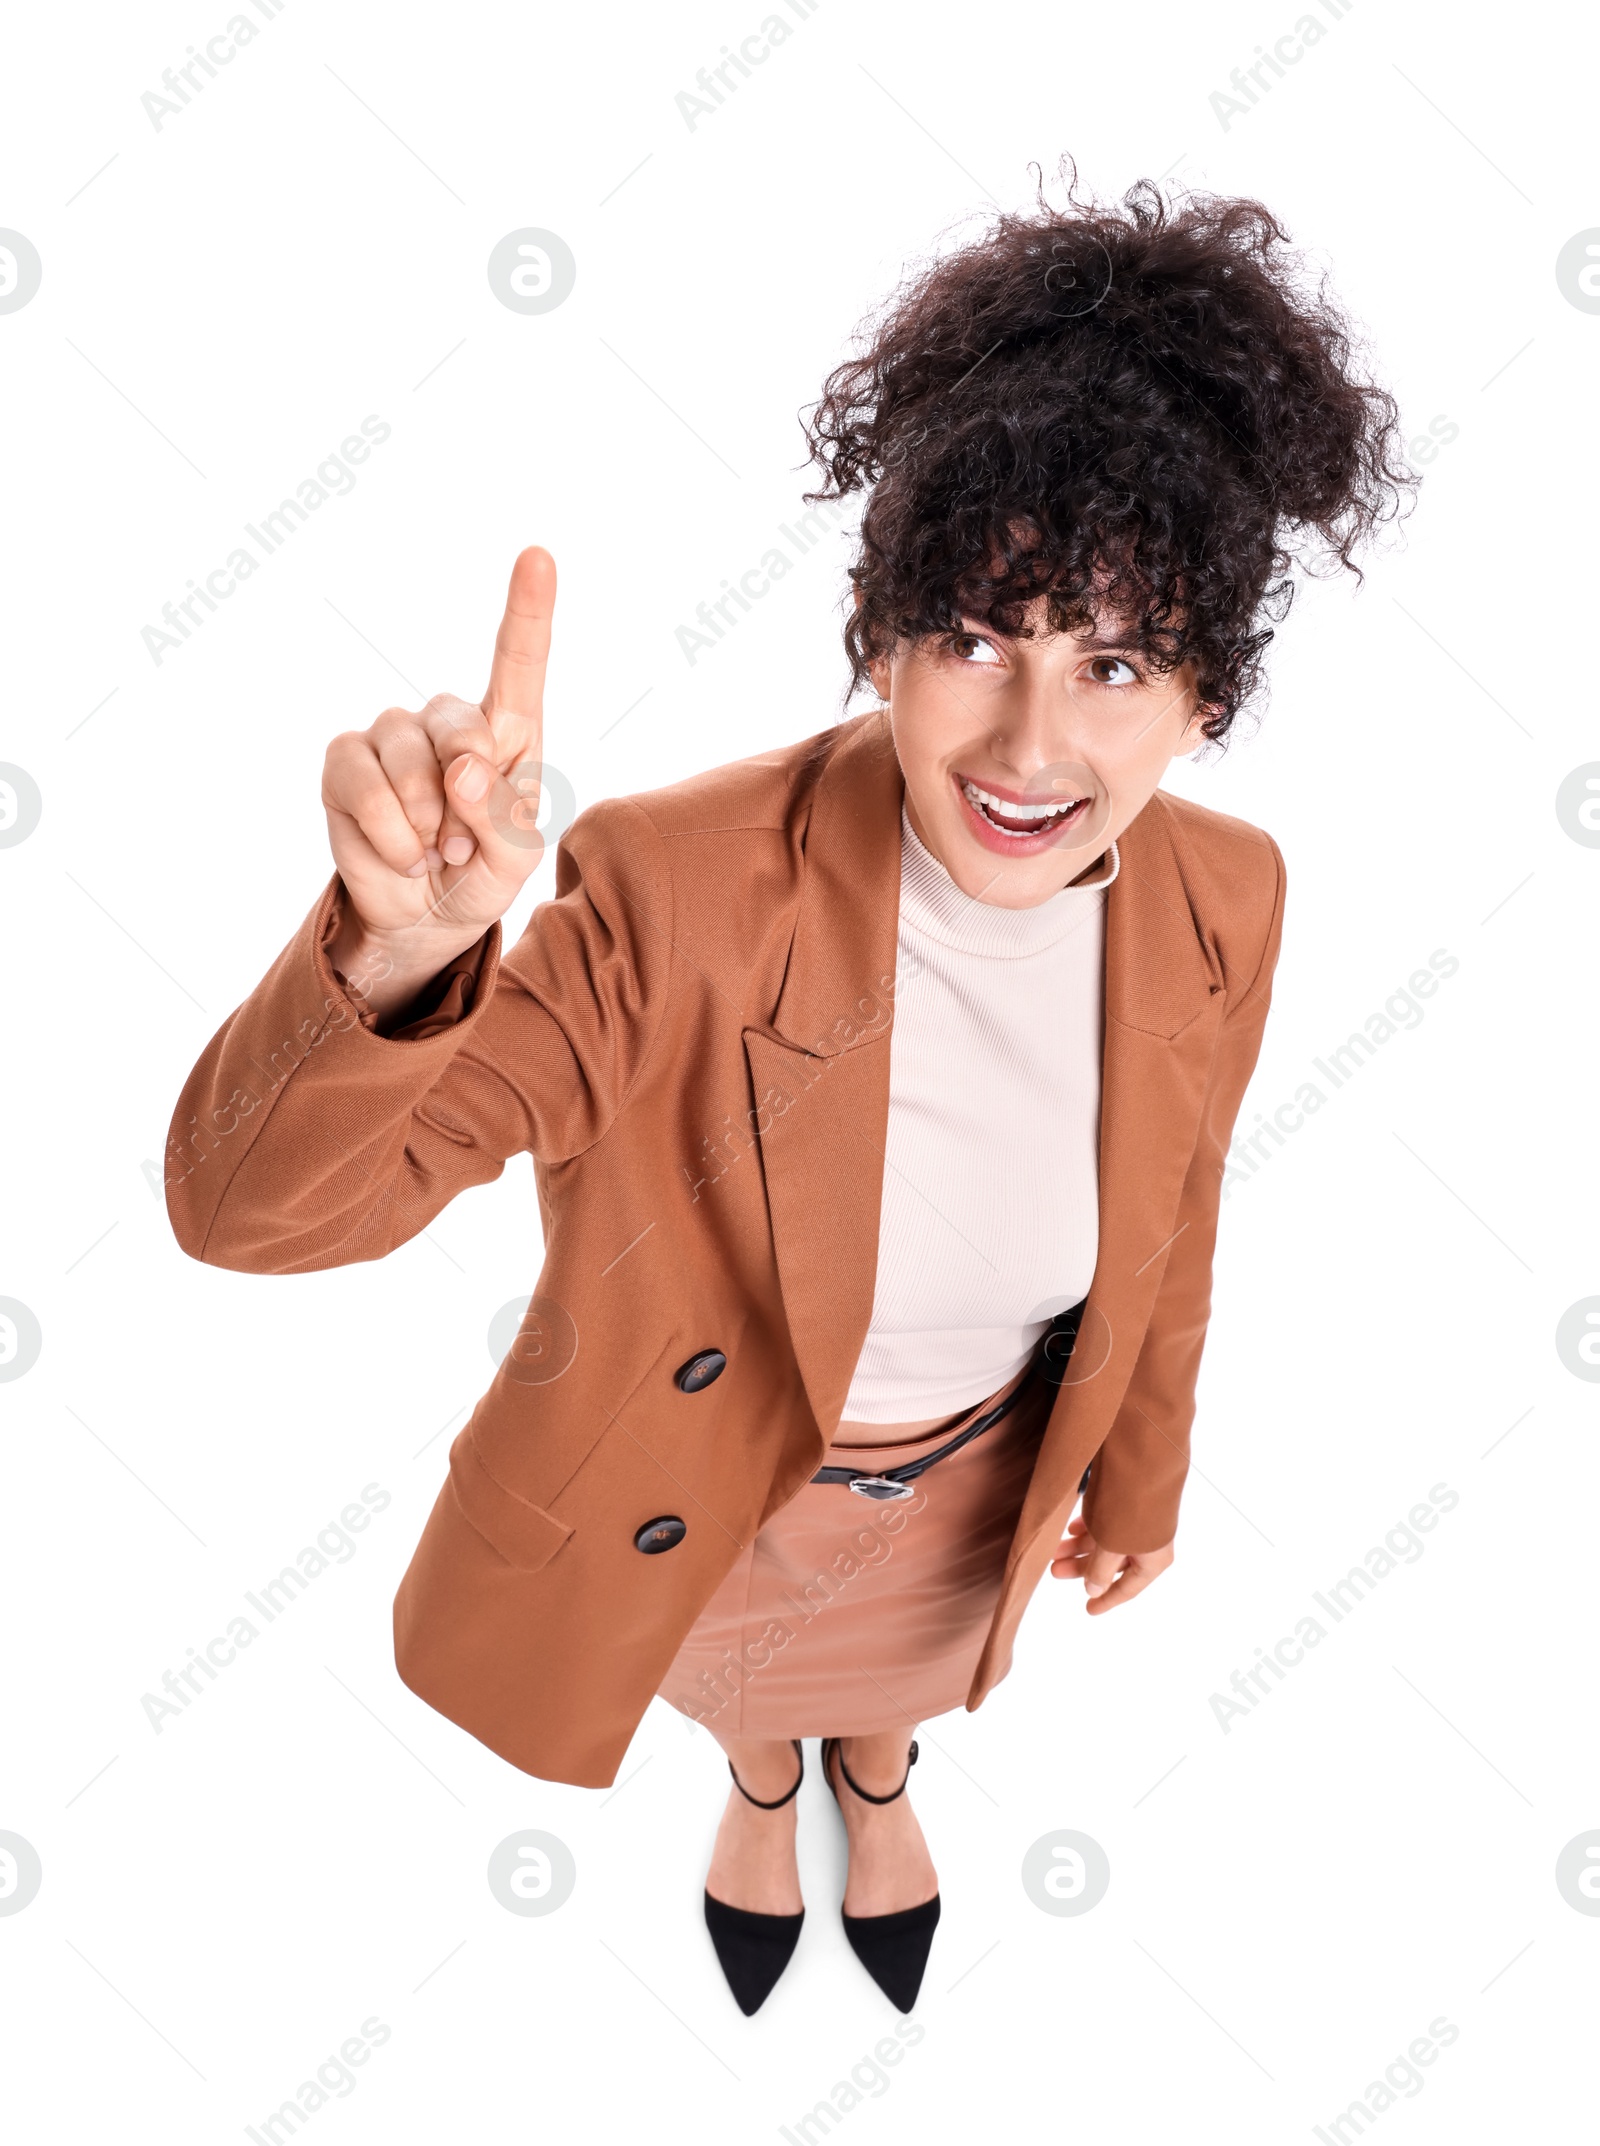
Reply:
x=1146, y=411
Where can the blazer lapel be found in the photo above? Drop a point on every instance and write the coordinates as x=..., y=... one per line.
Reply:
x=1163, y=1013
x=820, y=1068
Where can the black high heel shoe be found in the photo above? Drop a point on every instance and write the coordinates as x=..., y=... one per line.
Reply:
x=753, y=1950
x=892, y=1948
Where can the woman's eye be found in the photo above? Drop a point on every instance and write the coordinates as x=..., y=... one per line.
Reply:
x=973, y=648
x=1113, y=671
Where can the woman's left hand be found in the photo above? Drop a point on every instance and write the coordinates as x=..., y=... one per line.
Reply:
x=1109, y=1576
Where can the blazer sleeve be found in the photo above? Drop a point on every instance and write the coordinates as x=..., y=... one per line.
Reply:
x=1136, y=1479
x=304, y=1139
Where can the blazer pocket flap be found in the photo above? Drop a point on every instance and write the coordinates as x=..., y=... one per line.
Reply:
x=524, y=1534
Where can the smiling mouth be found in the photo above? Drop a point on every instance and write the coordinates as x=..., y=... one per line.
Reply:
x=1008, y=817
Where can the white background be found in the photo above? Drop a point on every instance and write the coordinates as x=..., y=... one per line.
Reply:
x=1292, y=1902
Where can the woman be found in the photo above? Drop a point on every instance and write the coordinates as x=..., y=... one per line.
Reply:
x=878, y=1086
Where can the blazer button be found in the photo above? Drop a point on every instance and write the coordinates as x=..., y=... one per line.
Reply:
x=658, y=1535
x=700, y=1370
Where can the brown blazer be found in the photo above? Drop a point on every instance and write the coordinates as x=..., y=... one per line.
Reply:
x=692, y=1039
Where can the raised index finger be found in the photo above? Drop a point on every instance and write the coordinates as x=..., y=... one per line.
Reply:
x=522, y=648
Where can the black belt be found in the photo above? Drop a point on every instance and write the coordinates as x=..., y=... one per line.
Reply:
x=1049, y=1362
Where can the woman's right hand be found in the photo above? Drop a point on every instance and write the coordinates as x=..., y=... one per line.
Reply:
x=431, y=816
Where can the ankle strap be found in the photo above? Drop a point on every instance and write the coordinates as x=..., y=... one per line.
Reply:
x=864, y=1794
x=789, y=1793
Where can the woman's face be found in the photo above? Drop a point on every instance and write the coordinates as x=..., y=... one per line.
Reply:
x=1035, y=725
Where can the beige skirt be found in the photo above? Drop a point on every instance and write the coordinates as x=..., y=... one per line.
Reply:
x=846, y=1615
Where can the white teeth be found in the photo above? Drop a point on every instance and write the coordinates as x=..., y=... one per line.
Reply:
x=1013, y=811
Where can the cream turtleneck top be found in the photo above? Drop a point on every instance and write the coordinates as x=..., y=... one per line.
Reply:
x=990, y=1214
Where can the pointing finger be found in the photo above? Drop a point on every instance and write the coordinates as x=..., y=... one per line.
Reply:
x=514, y=701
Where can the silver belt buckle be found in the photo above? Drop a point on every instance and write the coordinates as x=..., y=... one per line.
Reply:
x=879, y=1487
